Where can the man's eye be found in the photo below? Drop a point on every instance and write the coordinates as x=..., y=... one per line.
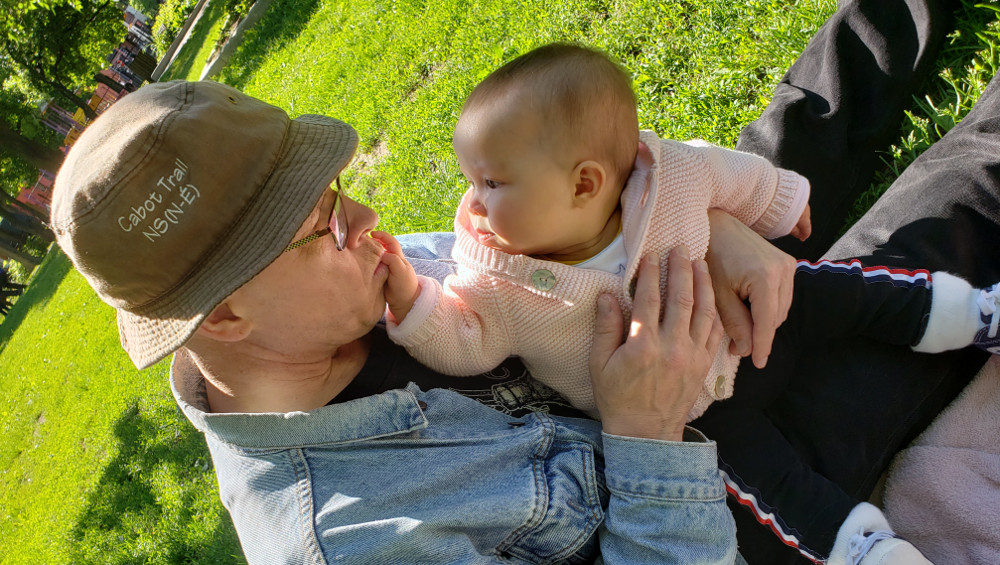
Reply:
x=492, y=183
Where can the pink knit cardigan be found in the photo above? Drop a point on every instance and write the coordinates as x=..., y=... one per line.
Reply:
x=498, y=305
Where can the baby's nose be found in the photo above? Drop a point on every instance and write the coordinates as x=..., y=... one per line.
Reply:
x=476, y=204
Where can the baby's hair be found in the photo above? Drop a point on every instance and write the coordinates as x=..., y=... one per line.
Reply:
x=580, y=95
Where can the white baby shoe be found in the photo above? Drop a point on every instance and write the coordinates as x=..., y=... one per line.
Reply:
x=882, y=547
x=865, y=538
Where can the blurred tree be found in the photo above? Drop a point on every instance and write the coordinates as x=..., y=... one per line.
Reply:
x=12, y=244
x=25, y=222
x=9, y=290
x=34, y=155
x=25, y=144
x=58, y=45
x=25, y=147
x=146, y=7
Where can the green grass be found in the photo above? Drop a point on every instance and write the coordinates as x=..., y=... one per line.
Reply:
x=191, y=57
x=968, y=62
x=398, y=72
x=97, y=464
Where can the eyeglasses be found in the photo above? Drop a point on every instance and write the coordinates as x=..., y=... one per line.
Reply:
x=337, y=225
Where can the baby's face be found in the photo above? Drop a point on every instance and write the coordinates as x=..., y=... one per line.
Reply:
x=521, y=195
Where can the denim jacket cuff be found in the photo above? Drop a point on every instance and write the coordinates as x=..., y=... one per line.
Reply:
x=663, y=469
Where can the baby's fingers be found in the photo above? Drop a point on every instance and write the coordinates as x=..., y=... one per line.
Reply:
x=390, y=243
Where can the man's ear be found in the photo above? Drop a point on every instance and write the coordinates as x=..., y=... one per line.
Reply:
x=224, y=325
x=589, y=179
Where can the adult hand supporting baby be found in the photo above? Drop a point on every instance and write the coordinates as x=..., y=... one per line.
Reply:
x=746, y=266
x=646, y=386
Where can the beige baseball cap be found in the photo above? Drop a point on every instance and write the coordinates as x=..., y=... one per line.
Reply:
x=181, y=193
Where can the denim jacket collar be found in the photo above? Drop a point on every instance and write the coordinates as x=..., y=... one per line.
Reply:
x=390, y=413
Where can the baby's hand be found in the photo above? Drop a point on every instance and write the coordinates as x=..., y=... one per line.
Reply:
x=401, y=288
x=803, y=228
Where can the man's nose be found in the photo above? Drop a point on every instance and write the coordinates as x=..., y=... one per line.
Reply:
x=360, y=221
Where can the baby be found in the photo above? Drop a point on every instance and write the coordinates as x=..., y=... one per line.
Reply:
x=566, y=195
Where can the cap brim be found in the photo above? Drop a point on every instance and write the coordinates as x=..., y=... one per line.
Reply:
x=315, y=150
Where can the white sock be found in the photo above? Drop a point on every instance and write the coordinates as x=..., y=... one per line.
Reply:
x=863, y=518
x=954, y=318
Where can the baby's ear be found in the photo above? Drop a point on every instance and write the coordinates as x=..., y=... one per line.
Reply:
x=590, y=180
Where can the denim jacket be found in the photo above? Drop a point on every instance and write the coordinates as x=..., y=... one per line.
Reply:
x=413, y=476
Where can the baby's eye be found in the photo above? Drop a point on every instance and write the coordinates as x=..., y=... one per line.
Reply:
x=492, y=183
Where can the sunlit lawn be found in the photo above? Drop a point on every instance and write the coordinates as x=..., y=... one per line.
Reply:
x=191, y=56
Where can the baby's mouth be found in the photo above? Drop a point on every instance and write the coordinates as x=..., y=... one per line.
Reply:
x=481, y=226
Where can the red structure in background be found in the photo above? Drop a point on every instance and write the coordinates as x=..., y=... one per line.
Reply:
x=38, y=196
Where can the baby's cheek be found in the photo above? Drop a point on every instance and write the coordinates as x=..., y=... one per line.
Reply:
x=507, y=226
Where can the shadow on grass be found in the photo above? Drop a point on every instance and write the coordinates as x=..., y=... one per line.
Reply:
x=150, y=504
x=185, y=60
x=974, y=36
x=282, y=22
x=43, y=285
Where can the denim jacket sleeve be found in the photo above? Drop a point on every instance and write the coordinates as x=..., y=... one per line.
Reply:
x=667, y=505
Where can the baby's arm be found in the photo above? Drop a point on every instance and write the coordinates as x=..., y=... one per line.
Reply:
x=401, y=288
x=771, y=200
x=456, y=328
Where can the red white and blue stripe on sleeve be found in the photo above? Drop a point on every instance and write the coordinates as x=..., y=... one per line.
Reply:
x=898, y=277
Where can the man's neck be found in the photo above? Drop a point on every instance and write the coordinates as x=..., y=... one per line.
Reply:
x=247, y=383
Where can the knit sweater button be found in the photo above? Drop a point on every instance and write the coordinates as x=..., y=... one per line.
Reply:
x=543, y=280
x=720, y=386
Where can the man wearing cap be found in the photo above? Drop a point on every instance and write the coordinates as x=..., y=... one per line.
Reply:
x=204, y=217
